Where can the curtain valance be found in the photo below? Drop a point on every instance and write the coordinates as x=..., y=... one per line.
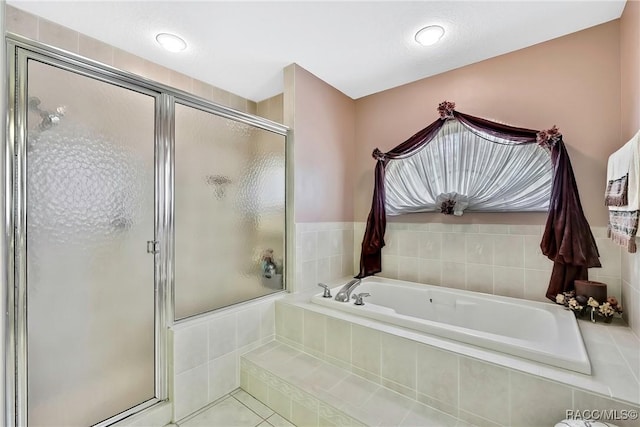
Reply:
x=462, y=170
x=567, y=239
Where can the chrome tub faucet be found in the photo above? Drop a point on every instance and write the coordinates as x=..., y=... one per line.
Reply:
x=345, y=293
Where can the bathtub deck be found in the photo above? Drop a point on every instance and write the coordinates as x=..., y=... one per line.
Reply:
x=308, y=391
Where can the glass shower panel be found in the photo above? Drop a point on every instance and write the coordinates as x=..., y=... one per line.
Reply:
x=90, y=282
x=229, y=211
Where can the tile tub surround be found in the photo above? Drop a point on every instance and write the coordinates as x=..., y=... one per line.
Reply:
x=475, y=385
x=497, y=259
x=311, y=392
x=207, y=351
x=324, y=252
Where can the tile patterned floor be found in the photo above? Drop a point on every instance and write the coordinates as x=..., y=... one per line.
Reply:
x=239, y=409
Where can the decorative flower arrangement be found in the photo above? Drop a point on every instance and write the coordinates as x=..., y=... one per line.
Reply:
x=581, y=305
x=548, y=137
x=609, y=308
x=447, y=207
x=445, y=109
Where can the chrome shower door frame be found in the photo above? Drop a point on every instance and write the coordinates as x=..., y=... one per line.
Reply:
x=19, y=52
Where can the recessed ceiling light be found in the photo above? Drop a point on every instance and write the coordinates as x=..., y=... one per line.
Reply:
x=171, y=42
x=429, y=35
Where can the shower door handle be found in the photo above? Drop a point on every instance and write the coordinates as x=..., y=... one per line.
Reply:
x=153, y=246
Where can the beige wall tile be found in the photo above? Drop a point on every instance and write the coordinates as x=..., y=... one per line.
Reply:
x=477, y=421
x=610, y=258
x=365, y=349
x=222, y=336
x=289, y=322
x=338, y=339
x=438, y=374
x=437, y=404
x=202, y=89
x=430, y=245
x=409, y=243
x=453, y=247
x=248, y=326
x=536, y=402
x=302, y=416
x=484, y=389
x=20, y=22
x=280, y=403
x=480, y=278
x=479, y=249
x=57, y=35
x=389, y=266
x=493, y=228
x=220, y=96
x=508, y=251
x=314, y=331
x=258, y=388
x=223, y=376
x=536, y=283
x=128, y=62
x=180, y=81
x=533, y=257
x=430, y=272
x=583, y=401
x=156, y=72
x=454, y=275
x=391, y=242
x=190, y=347
x=190, y=391
x=409, y=269
x=95, y=49
x=526, y=230
x=398, y=360
x=508, y=281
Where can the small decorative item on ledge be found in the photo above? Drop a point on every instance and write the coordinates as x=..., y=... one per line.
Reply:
x=581, y=305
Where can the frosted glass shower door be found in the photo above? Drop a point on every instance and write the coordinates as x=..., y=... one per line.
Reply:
x=90, y=209
x=229, y=211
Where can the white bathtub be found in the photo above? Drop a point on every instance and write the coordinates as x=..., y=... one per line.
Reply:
x=542, y=332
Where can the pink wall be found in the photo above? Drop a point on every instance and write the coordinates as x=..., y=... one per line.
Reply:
x=324, y=120
x=630, y=70
x=572, y=82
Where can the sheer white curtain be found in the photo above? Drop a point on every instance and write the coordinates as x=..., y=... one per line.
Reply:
x=470, y=171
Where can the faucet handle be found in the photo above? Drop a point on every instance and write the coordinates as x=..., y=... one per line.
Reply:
x=327, y=292
x=358, y=297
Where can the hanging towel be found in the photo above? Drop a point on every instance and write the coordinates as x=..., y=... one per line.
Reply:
x=622, y=195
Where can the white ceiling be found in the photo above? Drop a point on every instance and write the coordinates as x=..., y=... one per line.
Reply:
x=359, y=47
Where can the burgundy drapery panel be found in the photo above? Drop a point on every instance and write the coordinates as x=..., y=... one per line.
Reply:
x=567, y=239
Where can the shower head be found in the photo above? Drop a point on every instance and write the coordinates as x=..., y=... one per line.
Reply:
x=49, y=119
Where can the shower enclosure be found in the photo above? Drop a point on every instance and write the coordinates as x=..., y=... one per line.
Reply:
x=130, y=205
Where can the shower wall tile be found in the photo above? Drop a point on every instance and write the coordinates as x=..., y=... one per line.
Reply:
x=180, y=81
x=129, y=62
x=324, y=252
x=95, y=49
x=202, y=89
x=156, y=72
x=207, y=350
x=191, y=391
x=57, y=35
x=190, y=348
x=492, y=258
x=19, y=22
